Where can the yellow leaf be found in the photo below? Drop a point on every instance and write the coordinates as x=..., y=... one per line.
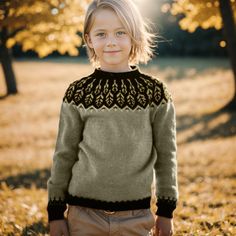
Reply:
x=27, y=45
x=10, y=42
x=62, y=48
x=73, y=51
x=43, y=50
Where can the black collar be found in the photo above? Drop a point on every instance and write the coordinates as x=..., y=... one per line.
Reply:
x=98, y=73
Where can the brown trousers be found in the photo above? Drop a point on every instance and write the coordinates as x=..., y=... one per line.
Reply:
x=83, y=221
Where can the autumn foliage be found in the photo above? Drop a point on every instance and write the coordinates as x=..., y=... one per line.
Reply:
x=198, y=13
x=43, y=26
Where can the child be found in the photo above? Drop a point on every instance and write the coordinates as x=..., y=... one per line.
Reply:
x=117, y=125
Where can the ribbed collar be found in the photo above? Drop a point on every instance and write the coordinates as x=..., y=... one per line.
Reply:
x=127, y=74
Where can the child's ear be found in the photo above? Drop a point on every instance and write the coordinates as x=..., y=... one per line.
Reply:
x=88, y=40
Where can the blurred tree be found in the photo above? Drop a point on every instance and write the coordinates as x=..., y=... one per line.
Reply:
x=43, y=26
x=206, y=14
x=178, y=42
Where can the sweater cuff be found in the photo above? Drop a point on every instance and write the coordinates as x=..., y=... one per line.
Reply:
x=165, y=207
x=56, y=209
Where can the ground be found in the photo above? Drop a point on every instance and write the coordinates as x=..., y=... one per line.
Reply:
x=206, y=142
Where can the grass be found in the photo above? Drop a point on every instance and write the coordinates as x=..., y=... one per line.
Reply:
x=206, y=142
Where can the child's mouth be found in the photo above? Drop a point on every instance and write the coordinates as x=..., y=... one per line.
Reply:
x=111, y=51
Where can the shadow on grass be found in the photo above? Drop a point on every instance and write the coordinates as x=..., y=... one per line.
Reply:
x=37, y=178
x=35, y=229
x=222, y=129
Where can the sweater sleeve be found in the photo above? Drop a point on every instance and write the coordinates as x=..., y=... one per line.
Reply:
x=66, y=154
x=164, y=139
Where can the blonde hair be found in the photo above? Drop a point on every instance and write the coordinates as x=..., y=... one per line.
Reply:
x=141, y=37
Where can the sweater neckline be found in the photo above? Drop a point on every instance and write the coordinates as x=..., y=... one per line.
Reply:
x=126, y=74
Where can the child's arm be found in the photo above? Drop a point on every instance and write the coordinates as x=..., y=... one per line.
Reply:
x=65, y=155
x=164, y=135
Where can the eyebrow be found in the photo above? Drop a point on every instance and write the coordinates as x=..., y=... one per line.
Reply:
x=105, y=29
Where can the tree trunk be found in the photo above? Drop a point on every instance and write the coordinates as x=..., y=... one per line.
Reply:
x=230, y=36
x=6, y=62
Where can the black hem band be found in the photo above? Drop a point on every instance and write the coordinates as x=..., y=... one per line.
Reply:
x=56, y=208
x=109, y=206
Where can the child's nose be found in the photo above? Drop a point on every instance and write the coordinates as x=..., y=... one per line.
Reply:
x=111, y=41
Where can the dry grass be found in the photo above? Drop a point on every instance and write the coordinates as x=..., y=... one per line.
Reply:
x=206, y=143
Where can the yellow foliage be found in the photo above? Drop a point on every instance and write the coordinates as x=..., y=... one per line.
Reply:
x=10, y=42
x=43, y=50
x=27, y=45
x=73, y=51
x=62, y=48
x=198, y=13
x=45, y=26
x=77, y=40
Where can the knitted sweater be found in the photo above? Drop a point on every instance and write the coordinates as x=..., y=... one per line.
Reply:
x=115, y=130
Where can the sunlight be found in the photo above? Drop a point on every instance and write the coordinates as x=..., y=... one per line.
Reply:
x=138, y=1
x=142, y=2
x=146, y=7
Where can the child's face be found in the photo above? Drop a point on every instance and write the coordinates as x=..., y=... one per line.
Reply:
x=110, y=41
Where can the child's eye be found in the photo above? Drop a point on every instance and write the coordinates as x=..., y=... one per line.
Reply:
x=119, y=33
x=100, y=34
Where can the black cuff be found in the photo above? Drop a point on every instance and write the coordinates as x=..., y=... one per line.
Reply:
x=56, y=209
x=165, y=207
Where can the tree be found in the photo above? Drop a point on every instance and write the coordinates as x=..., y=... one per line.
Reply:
x=43, y=26
x=206, y=14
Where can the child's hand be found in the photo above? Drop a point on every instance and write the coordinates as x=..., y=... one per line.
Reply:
x=58, y=228
x=164, y=226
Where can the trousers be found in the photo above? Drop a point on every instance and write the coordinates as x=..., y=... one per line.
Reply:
x=83, y=221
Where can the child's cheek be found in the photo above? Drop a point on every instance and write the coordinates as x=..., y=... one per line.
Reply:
x=98, y=43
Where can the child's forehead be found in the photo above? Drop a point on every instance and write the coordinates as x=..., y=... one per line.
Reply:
x=106, y=19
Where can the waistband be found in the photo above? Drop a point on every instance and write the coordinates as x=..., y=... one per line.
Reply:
x=136, y=212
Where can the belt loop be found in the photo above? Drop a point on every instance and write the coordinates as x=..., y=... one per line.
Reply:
x=109, y=212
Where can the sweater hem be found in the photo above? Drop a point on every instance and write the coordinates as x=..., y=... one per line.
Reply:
x=109, y=206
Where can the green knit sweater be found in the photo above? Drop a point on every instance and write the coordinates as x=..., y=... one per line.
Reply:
x=115, y=130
